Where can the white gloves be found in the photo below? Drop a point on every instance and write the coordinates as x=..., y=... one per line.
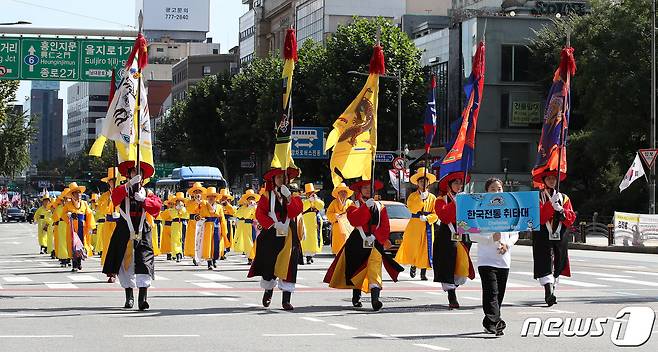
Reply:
x=280, y=227
x=179, y=207
x=140, y=195
x=285, y=191
x=423, y=218
x=370, y=203
x=424, y=195
x=370, y=239
x=135, y=180
x=555, y=202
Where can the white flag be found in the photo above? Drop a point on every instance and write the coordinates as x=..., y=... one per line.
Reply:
x=634, y=172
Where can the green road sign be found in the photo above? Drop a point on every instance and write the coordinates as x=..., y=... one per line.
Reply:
x=56, y=59
x=9, y=58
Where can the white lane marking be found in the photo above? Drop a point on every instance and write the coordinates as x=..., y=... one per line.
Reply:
x=640, y=272
x=161, y=278
x=35, y=336
x=630, y=281
x=148, y=336
x=230, y=299
x=546, y=311
x=471, y=298
x=522, y=273
x=435, y=293
x=298, y=285
x=17, y=315
x=444, y=313
x=590, y=273
x=207, y=293
x=425, y=283
x=627, y=294
x=17, y=279
x=297, y=335
x=83, y=278
x=215, y=277
x=569, y=282
x=58, y=285
x=252, y=305
x=382, y=336
x=510, y=284
x=342, y=326
x=210, y=285
x=622, y=267
x=431, y=347
x=315, y=320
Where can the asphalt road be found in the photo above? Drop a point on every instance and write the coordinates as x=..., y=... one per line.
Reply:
x=47, y=308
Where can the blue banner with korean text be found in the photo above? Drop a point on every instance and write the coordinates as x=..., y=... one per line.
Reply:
x=497, y=212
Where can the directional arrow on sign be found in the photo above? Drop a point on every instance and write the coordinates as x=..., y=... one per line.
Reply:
x=31, y=51
x=307, y=145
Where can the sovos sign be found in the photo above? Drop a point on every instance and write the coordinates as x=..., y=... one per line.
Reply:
x=631, y=327
x=175, y=15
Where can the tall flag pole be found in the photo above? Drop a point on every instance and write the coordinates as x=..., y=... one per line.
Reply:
x=127, y=121
x=551, y=153
x=283, y=132
x=354, y=136
x=459, y=158
x=429, y=124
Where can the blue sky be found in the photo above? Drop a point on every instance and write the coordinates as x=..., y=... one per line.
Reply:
x=112, y=14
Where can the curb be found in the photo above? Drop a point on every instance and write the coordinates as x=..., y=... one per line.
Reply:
x=589, y=247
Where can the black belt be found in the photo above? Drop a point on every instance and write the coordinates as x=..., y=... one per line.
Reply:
x=100, y=221
x=167, y=223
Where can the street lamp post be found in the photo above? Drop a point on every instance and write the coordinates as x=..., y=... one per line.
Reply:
x=398, y=78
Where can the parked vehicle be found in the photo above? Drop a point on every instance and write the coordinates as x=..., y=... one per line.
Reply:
x=15, y=214
x=398, y=215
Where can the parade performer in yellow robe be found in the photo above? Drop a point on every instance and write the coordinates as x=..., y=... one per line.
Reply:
x=312, y=243
x=81, y=223
x=51, y=233
x=225, y=199
x=213, y=231
x=178, y=217
x=417, y=240
x=336, y=213
x=165, y=235
x=245, y=234
x=40, y=217
x=192, y=247
x=61, y=222
x=95, y=241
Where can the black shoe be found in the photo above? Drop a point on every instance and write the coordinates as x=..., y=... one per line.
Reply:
x=249, y=261
x=141, y=299
x=168, y=256
x=356, y=299
x=285, y=301
x=267, y=298
x=179, y=257
x=500, y=326
x=194, y=262
x=549, y=294
x=489, y=327
x=374, y=297
x=452, y=300
x=210, y=265
x=312, y=261
x=423, y=274
x=412, y=271
x=222, y=257
x=309, y=260
x=130, y=299
x=214, y=263
x=52, y=255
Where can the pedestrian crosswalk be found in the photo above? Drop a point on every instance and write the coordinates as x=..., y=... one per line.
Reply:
x=231, y=275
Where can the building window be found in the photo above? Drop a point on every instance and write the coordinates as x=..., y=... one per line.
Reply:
x=516, y=155
x=206, y=70
x=514, y=63
x=159, y=50
x=310, y=21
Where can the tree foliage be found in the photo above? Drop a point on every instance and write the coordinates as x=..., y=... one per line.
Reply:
x=239, y=113
x=16, y=132
x=611, y=93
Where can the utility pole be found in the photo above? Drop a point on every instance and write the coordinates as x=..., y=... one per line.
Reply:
x=652, y=172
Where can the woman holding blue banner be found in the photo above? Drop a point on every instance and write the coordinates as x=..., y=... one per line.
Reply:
x=549, y=244
x=450, y=253
x=494, y=260
x=416, y=247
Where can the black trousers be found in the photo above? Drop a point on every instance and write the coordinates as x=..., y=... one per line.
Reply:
x=494, y=282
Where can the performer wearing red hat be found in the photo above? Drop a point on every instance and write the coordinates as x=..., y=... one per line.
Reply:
x=450, y=255
x=278, y=246
x=358, y=265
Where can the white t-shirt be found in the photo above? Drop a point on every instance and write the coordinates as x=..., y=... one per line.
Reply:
x=488, y=254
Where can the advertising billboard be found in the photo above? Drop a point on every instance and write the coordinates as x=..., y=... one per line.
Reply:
x=175, y=15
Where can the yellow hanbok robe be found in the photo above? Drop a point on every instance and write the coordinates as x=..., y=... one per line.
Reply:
x=335, y=212
x=417, y=239
x=312, y=242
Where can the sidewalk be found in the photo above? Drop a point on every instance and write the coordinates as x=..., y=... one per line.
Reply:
x=598, y=243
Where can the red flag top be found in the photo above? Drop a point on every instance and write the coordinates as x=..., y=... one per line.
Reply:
x=140, y=50
x=290, y=46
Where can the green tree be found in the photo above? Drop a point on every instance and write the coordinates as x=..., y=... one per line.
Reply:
x=7, y=95
x=16, y=133
x=611, y=112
